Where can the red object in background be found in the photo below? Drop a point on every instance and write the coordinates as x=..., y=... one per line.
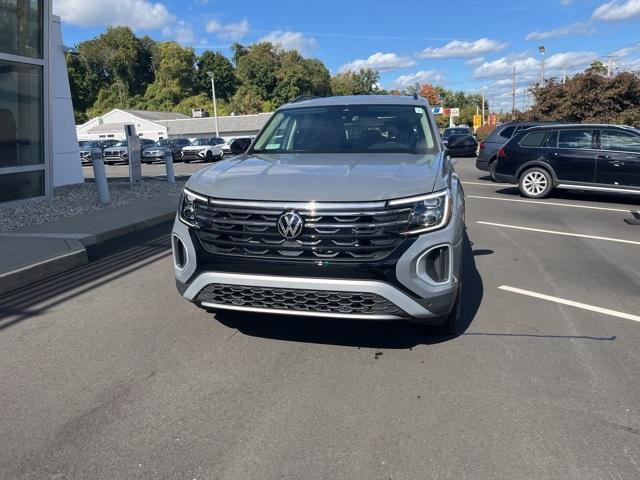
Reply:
x=482, y=146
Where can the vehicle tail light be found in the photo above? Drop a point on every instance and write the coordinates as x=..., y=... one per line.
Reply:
x=502, y=153
x=482, y=146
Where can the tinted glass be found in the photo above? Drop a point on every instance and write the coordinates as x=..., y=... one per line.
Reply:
x=15, y=186
x=507, y=132
x=21, y=130
x=122, y=143
x=201, y=141
x=552, y=140
x=619, y=141
x=21, y=27
x=349, y=129
x=575, y=139
x=533, y=140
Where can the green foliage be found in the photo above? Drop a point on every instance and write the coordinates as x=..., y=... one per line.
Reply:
x=364, y=82
x=246, y=101
x=223, y=71
x=258, y=68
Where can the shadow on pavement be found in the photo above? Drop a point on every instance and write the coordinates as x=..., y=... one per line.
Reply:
x=110, y=261
x=358, y=333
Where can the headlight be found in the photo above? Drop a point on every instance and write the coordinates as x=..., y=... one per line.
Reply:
x=187, y=209
x=428, y=212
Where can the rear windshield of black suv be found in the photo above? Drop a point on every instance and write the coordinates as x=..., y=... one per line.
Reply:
x=349, y=129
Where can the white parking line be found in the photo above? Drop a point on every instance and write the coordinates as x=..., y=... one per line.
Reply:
x=571, y=303
x=554, y=204
x=486, y=184
x=566, y=234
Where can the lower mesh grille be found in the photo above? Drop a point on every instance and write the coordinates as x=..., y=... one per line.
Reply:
x=299, y=300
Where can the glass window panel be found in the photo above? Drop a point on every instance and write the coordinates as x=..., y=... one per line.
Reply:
x=575, y=139
x=620, y=141
x=21, y=27
x=533, y=139
x=21, y=135
x=16, y=186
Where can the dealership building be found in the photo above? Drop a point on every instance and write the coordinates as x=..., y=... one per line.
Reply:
x=159, y=125
x=36, y=153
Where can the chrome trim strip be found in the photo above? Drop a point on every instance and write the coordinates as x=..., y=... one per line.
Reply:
x=385, y=290
x=417, y=198
x=307, y=206
x=598, y=189
x=274, y=311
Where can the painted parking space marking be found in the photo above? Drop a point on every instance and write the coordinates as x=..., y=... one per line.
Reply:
x=485, y=184
x=553, y=204
x=571, y=303
x=566, y=234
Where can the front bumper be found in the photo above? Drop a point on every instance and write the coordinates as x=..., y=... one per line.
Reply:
x=396, y=288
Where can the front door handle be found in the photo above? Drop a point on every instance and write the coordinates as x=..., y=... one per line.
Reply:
x=616, y=163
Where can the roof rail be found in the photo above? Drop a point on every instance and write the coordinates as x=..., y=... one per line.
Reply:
x=302, y=98
x=415, y=95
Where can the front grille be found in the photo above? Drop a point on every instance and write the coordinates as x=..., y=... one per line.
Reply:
x=191, y=155
x=299, y=300
x=355, y=234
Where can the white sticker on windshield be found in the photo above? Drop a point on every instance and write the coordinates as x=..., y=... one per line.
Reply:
x=418, y=110
x=272, y=146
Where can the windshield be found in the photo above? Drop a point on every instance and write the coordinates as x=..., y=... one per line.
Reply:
x=91, y=145
x=161, y=143
x=349, y=129
x=201, y=141
x=456, y=131
x=121, y=143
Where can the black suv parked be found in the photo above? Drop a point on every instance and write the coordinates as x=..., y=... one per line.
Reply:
x=501, y=135
x=578, y=157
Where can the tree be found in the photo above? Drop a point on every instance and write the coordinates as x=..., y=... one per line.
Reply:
x=300, y=76
x=257, y=69
x=223, y=71
x=245, y=101
x=364, y=82
x=175, y=78
x=203, y=101
x=430, y=93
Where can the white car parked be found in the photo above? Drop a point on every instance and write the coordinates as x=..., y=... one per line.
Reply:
x=206, y=149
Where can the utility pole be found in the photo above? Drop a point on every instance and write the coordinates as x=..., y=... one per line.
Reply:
x=483, y=117
x=564, y=75
x=513, y=105
x=215, y=108
x=542, y=51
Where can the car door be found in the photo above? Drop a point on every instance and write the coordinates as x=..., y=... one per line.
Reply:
x=618, y=161
x=574, y=158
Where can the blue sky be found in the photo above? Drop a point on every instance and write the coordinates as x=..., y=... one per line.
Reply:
x=464, y=45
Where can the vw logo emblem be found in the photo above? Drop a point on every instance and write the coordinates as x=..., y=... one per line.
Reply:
x=290, y=225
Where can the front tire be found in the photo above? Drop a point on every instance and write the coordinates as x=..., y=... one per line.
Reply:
x=209, y=156
x=535, y=183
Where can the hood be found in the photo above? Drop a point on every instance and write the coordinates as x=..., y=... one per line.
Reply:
x=320, y=177
x=116, y=150
x=196, y=148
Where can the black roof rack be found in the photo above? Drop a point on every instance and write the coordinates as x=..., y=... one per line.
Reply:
x=302, y=98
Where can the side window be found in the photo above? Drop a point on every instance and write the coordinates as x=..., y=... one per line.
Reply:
x=619, y=141
x=508, y=132
x=552, y=140
x=533, y=140
x=575, y=139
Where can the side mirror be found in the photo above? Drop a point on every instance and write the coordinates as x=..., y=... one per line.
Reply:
x=240, y=146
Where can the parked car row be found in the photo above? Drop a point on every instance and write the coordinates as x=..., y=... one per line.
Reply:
x=204, y=149
x=589, y=157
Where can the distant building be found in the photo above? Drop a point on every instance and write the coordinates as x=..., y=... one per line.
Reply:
x=158, y=125
x=38, y=147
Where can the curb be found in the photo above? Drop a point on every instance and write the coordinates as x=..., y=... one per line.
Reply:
x=21, y=277
x=79, y=256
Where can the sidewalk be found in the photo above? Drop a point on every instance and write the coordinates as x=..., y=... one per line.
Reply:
x=39, y=251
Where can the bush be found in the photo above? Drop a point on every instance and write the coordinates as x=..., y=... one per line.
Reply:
x=483, y=132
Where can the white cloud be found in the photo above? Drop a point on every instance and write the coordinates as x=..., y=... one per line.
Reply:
x=530, y=65
x=566, y=2
x=463, y=49
x=626, y=51
x=475, y=61
x=137, y=14
x=290, y=40
x=181, y=32
x=617, y=10
x=228, y=31
x=572, y=29
x=381, y=62
x=423, y=76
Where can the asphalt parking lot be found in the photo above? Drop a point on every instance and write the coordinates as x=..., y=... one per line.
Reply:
x=110, y=374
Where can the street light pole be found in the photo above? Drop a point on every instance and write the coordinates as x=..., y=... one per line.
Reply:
x=542, y=51
x=215, y=107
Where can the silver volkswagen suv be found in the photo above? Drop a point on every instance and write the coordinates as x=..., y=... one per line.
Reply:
x=342, y=207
